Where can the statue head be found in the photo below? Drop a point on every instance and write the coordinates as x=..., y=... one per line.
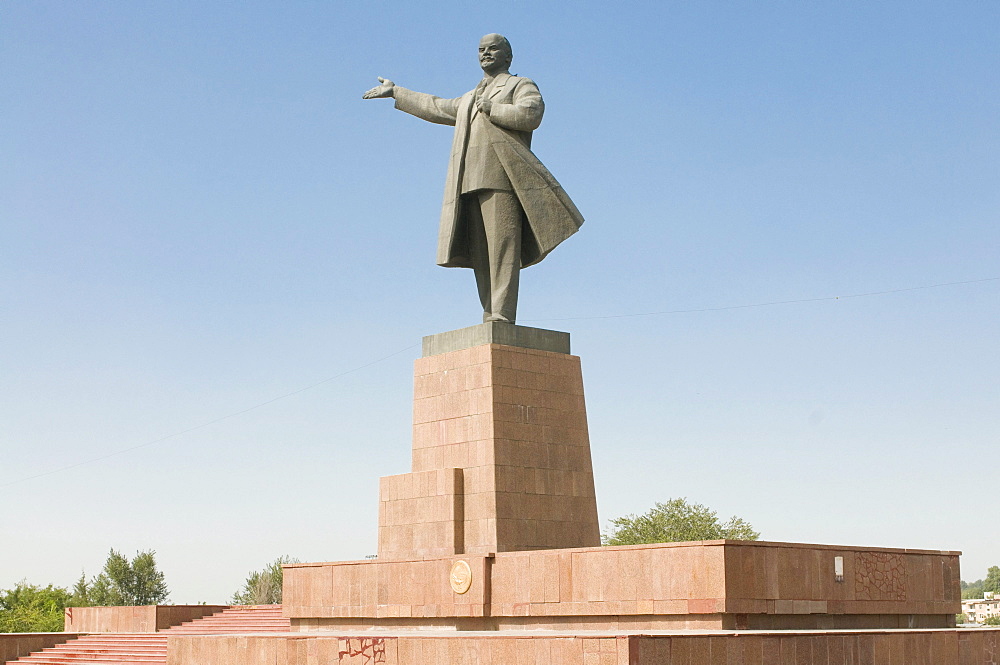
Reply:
x=495, y=54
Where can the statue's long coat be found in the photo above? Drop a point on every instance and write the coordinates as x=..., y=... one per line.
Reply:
x=550, y=215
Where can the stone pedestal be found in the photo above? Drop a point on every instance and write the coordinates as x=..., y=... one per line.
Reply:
x=489, y=554
x=711, y=585
x=501, y=455
x=501, y=498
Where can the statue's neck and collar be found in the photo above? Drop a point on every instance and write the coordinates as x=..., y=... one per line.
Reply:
x=489, y=79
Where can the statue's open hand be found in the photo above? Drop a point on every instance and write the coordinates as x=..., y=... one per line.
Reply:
x=384, y=90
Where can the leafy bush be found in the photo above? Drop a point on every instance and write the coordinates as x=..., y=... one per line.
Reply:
x=28, y=608
x=263, y=587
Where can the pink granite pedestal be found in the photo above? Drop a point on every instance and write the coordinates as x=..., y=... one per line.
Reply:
x=713, y=585
x=489, y=554
x=502, y=486
x=501, y=457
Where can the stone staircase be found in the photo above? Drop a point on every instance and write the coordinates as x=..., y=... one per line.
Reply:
x=139, y=648
x=236, y=619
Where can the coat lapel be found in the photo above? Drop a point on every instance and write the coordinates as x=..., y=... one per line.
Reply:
x=498, y=83
x=466, y=107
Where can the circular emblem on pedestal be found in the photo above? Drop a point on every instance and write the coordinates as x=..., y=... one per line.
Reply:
x=461, y=576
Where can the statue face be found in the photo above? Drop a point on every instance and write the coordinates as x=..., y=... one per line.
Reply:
x=494, y=55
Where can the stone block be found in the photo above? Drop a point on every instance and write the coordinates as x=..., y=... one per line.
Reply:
x=513, y=419
x=495, y=333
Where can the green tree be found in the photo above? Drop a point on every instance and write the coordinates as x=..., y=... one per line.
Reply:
x=263, y=587
x=124, y=582
x=992, y=621
x=80, y=594
x=992, y=581
x=149, y=587
x=28, y=608
x=972, y=589
x=676, y=521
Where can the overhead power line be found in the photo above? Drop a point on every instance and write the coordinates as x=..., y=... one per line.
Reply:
x=772, y=302
x=205, y=424
x=234, y=414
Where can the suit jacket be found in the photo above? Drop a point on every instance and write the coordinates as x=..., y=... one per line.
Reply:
x=550, y=215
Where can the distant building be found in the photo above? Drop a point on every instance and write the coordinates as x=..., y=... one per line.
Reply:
x=978, y=610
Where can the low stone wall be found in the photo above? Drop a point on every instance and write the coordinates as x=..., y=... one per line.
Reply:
x=727, y=585
x=15, y=645
x=384, y=589
x=901, y=647
x=139, y=619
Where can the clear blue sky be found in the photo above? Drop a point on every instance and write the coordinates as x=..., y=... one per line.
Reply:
x=198, y=214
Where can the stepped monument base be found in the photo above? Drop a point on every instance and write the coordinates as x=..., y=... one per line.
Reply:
x=489, y=552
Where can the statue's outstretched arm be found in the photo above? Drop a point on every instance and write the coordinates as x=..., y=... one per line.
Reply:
x=420, y=104
x=427, y=107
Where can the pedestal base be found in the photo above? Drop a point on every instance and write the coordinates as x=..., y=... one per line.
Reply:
x=700, y=585
x=488, y=556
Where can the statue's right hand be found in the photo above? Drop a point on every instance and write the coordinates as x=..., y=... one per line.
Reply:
x=383, y=90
